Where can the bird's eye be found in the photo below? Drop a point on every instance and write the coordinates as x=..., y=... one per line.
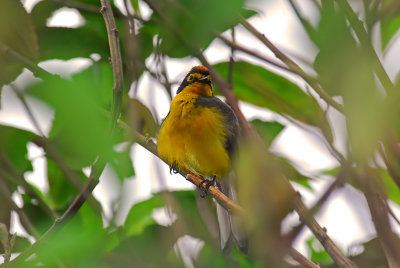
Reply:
x=190, y=78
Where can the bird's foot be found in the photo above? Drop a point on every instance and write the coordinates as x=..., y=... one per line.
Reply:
x=205, y=186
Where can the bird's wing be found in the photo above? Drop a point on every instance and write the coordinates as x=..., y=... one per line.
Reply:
x=230, y=121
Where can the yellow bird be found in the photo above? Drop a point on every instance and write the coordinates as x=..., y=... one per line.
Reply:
x=199, y=136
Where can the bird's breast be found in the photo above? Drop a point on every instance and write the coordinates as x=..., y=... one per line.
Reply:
x=193, y=137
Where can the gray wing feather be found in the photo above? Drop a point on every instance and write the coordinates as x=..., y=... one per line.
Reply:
x=230, y=226
x=230, y=121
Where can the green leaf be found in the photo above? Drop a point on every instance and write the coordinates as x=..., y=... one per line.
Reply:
x=197, y=22
x=209, y=257
x=14, y=147
x=61, y=191
x=42, y=11
x=267, y=130
x=258, y=86
x=98, y=79
x=340, y=56
x=392, y=190
x=336, y=58
x=318, y=254
x=122, y=164
x=154, y=247
x=67, y=43
x=189, y=213
x=78, y=244
x=292, y=173
x=79, y=131
x=389, y=27
x=18, y=33
x=140, y=215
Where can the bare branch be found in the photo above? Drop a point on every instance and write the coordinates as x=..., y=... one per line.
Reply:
x=116, y=60
x=293, y=66
x=28, y=63
x=301, y=259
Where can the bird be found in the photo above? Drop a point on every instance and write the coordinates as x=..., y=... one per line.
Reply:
x=200, y=136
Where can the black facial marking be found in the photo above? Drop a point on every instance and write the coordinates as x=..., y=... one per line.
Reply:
x=192, y=71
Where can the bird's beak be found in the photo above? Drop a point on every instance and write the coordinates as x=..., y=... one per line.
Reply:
x=205, y=80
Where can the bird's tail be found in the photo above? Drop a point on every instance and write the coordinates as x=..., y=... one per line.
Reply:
x=231, y=228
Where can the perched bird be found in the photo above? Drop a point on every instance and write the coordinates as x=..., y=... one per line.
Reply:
x=199, y=135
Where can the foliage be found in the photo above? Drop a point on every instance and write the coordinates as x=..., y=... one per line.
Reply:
x=346, y=65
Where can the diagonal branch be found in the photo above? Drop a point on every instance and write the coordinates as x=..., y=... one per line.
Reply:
x=99, y=165
x=292, y=66
x=116, y=60
x=28, y=63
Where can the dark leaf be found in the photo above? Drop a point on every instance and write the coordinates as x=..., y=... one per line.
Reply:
x=61, y=192
x=193, y=23
x=122, y=164
x=14, y=147
x=140, y=215
x=267, y=130
x=18, y=33
x=80, y=242
x=67, y=43
x=258, y=86
x=139, y=118
x=79, y=131
x=42, y=11
x=154, y=247
x=344, y=68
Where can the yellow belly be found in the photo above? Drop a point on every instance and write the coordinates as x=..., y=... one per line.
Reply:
x=192, y=138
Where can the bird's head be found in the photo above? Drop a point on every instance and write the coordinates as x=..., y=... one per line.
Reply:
x=197, y=81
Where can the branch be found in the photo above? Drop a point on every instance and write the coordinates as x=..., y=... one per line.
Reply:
x=305, y=216
x=48, y=147
x=221, y=198
x=236, y=46
x=116, y=60
x=28, y=63
x=98, y=166
x=362, y=35
x=301, y=259
x=373, y=191
x=320, y=233
x=293, y=66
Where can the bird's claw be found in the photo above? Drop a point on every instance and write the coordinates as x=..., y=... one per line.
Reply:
x=206, y=186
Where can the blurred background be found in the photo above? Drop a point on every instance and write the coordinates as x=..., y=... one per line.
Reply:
x=312, y=138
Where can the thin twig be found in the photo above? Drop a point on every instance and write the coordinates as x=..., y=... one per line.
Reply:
x=28, y=63
x=293, y=66
x=26, y=222
x=224, y=87
x=214, y=191
x=47, y=146
x=301, y=259
x=64, y=219
x=320, y=233
x=116, y=60
x=373, y=190
x=392, y=171
x=362, y=35
x=99, y=165
x=68, y=172
x=254, y=54
x=340, y=179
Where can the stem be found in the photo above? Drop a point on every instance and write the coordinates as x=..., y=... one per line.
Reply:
x=293, y=66
x=28, y=63
x=116, y=60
